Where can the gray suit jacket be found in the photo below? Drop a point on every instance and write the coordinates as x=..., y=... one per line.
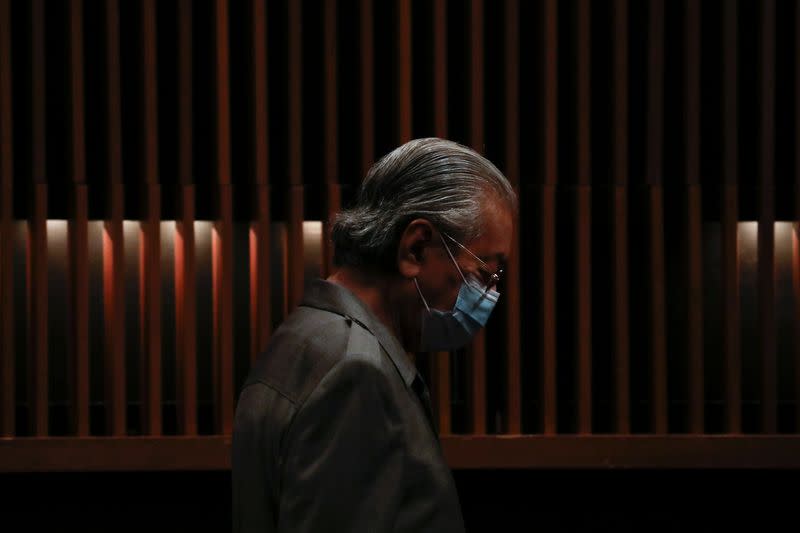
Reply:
x=333, y=430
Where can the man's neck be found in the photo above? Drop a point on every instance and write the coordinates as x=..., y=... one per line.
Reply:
x=374, y=291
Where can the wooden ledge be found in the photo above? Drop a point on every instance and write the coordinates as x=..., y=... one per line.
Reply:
x=51, y=454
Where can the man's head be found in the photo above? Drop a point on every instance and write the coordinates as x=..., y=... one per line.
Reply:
x=418, y=205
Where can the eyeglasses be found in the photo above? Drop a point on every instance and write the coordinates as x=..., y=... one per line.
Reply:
x=489, y=278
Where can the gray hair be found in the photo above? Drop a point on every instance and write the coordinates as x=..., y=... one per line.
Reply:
x=441, y=181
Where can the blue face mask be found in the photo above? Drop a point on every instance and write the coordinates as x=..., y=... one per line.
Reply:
x=450, y=330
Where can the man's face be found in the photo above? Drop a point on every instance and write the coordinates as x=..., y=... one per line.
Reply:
x=440, y=280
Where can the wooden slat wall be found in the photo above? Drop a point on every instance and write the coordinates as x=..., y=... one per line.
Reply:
x=655, y=136
x=512, y=170
x=78, y=233
x=37, y=235
x=583, y=222
x=730, y=214
x=766, y=220
x=150, y=232
x=796, y=232
x=113, y=245
x=619, y=240
x=477, y=350
x=185, y=258
x=7, y=346
x=442, y=387
x=548, y=217
x=694, y=221
x=471, y=86
x=222, y=245
x=260, y=312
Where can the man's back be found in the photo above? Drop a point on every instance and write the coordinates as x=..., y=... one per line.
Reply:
x=333, y=430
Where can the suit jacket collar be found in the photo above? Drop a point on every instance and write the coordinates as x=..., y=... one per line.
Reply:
x=335, y=298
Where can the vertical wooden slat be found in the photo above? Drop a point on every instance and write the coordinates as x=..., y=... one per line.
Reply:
x=7, y=382
x=403, y=71
x=222, y=242
x=619, y=245
x=333, y=194
x=260, y=317
x=477, y=350
x=583, y=235
x=440, y=68
x=367, y=86
x=730, y=215
x=295, y=199
x=766, y=222
x=796, y=287
x=150, y=244
x=694, y=220
x=512, y=161
x=548, y=216
x=77, y=231
x=796, y=265
x=185, y=269
x=441, y=359
x=113, y=244
x=655, y=105
x=37, y=236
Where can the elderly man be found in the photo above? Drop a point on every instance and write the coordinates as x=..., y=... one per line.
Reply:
x=333, y=428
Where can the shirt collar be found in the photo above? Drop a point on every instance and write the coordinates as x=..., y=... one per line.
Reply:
x=335, y=298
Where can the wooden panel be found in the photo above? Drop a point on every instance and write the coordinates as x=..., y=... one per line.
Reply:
x=77, y=232
x=333, y=195
x=7, y=354
x=476, y=78
x=150, y=254
x=796, y=237
x=113, y=243
x=185, y=90
x=631, y=451
x=79, y=311
x=655, y=136
x=619, y=243
x=185, y=256
x=37, y=313
x=461, y=451
x=440, y=68
x=694, y=311
x=796, y=287
x=512, y=171
x=441, y=366
x=548, y=216
x=37, y=235
x=730, y=216
x=548, y=292
x=260, y=315
x=186, y=314
x=295, y=194
x=766, y=221
x=658, y=334
x=114, y=314
x=403, y=71
x=694, y=221
x=477, y=349
x=222, y=243
x=367, y=86
x=221, y=250
x=583, y=214
x=621, y=342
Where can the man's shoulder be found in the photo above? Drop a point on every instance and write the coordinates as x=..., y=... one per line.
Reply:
x=306, y=347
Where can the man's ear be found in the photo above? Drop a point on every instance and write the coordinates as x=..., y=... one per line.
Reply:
x=411, y=249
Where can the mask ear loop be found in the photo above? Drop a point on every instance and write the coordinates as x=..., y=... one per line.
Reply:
x=453, y=259
x=421, y=296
